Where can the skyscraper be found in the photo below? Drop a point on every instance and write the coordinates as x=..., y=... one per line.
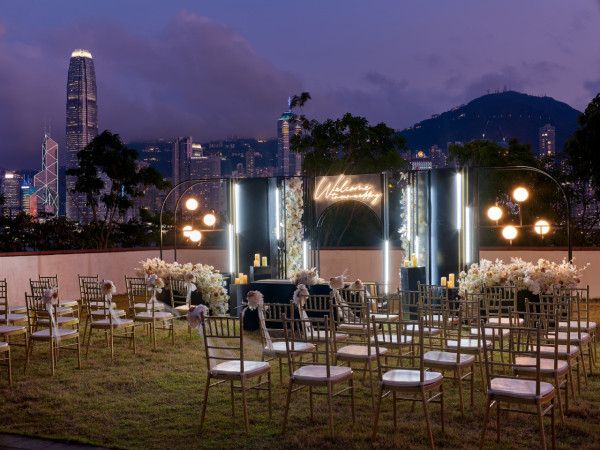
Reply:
x=547, y=141
x=287, y=163
x=82, y=120
x=46, y=181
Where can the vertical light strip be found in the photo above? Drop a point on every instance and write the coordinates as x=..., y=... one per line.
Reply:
x=468, y=235
x=236, y=194
x=458, y=201
x=277, y=214
x=417, y=246
x=304, y=255
x=408, y=214
x=231, y=252
x=386, y=266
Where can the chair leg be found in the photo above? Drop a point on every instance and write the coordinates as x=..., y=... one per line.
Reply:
x=498, y=420
x=133, y=337
x=52, y=355
x=287, y=407
x=460, y=391
x=310, y=402
x=552, y=426
x=153, y=330
x=9, y=366
x=244, y=403
x=330, y=407
x=442, y=405
x=205, y=401
x=377, y=410
x=426, y=411
x=78, y=353
x=352, y=403
x=560, y=406
x=87, y=347
x=270, y=403
x=541, y=421
x=486, y=418
x=29, y=351
x=232, y=400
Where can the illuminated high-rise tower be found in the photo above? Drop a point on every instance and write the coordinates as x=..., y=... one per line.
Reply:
x=288, y=163
x=46, y=181
x=82, y=120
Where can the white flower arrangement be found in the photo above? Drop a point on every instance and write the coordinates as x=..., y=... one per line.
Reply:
x=307, y=277
x=255, y=300
x=537, y=278
x=51, y=296
x=208, y=281
x=294, y=209
x=337, y=282
x=357, y=285
x=194, y=317
x=300, y=295
x=108, y=288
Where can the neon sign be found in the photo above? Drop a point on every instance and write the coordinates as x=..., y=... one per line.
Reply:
x=362, y=188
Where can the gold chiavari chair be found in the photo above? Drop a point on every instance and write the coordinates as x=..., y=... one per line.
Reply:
x=504, y=387
x=224, y=341
x=313, y=368
x=405, y=373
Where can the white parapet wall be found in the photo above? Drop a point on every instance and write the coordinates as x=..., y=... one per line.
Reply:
x=366, y=264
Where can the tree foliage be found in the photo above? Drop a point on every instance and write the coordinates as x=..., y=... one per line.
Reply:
x=483, y=153
x=109, y=177
x=348, y=145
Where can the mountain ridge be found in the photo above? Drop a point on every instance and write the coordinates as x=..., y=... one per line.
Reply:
x=497, y=117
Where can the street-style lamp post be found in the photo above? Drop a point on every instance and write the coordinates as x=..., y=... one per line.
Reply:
x=520, y=195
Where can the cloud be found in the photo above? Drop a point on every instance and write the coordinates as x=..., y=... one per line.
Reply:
x=193, y=77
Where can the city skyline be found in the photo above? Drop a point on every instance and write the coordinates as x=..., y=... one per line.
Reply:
x=214, y=71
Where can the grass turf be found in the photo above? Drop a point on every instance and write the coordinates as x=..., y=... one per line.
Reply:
x=154, y=399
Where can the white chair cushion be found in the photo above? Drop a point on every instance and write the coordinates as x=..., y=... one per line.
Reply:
x=103, y=312
x=183, y=309
x=447, y=359
x=410, y=378
x=497, y=333
x=234, y=368
x=105, y=323
x=392, y=339
x=278, y=348
x=62, y=333
x=514, y=387
x=3, y=346
x=158, y=315
x=386, y=317
x=427, y=331
x=583, y=324
x=547, y=351
x=320, y=336
x=573, y=336
x=13, y=318
x=319, y=373
x=61, y=320
x=6, y=330
x=527, y=364
x=145, y=306
x=469, y=344
x=516, y=321
x=359, y=352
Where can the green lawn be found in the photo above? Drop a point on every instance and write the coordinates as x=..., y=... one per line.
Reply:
x=154, y=399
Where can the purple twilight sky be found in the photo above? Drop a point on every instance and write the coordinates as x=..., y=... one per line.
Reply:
x=224, y=68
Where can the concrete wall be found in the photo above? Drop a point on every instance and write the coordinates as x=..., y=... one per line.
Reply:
x=109, y=265
x=114, y=265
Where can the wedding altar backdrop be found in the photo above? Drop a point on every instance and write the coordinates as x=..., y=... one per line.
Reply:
x=429, y=214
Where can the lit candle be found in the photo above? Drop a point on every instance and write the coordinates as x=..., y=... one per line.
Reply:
x=264, y=260
x=237, y=280
x=451, y=284
x=245, y=280
x=257, y=257
x=256, y=263
x=406, y=263
x=443, y=282
x=451, y=278
x=414, y=259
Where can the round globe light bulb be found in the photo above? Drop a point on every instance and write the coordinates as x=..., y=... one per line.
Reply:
x=195, y=236
x=494, y=213
x=520, y=194
x=541, y=227
x=209, y=219
x=187, y=230
x=191, y=204
x=509, y=232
